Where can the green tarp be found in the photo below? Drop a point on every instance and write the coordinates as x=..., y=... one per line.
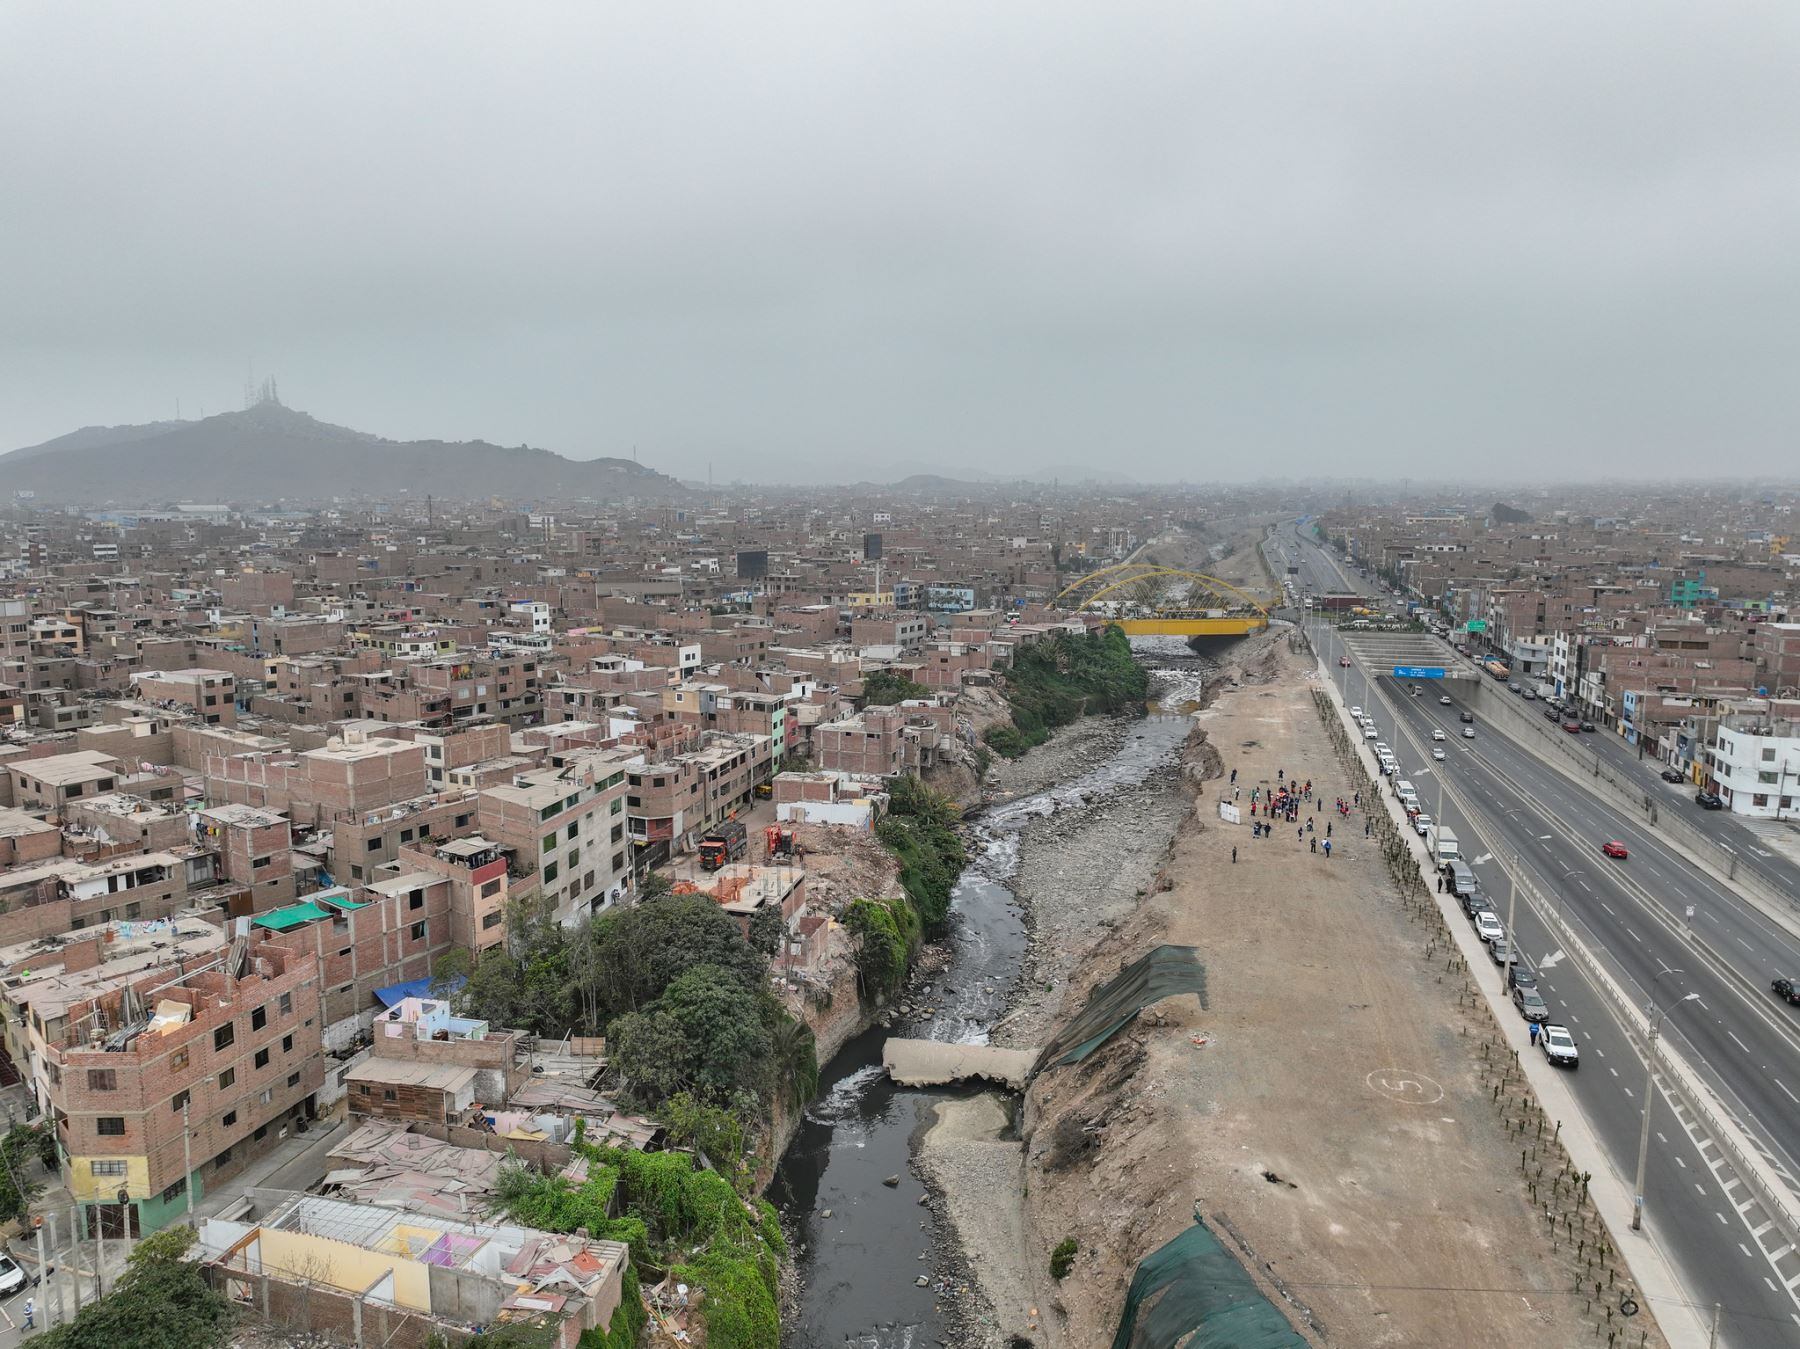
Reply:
x=1160, y=973
x=1194, y=1286
x=280, y=920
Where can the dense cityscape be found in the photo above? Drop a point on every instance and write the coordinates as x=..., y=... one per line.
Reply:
x=836, y=676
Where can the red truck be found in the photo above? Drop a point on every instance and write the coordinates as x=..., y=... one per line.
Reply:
x=727, y=843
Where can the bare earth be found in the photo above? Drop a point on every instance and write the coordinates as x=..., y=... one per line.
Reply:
x=1336, y=1057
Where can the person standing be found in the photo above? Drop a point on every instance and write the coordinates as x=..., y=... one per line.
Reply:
x=1327, y=850
x=1315, y=843
x=30, y=1313
x=1234, y=854
x=1534, y=1034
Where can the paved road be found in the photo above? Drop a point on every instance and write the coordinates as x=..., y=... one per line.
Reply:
x=1750, y=1048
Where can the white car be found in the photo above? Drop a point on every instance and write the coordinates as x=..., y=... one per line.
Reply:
x=1437, y=752
x=1437, y=733
x=1489, y=927
x=1382, y=751
x=1369, y=733
x=1559, y=1046
x=1444, y=700
x=1356, y=712
x=12, y=1278
x=1422, y=822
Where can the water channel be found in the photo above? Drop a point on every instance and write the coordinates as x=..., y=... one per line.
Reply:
x=859, y=1267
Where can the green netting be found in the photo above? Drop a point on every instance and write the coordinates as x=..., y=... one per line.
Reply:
x=1194, y=1286
x=279, y=920
x=1159, y=973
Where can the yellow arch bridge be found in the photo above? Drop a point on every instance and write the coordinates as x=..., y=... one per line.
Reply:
x=1147, y=600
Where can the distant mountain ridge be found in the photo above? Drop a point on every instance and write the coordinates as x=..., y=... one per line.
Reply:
x=270, y=451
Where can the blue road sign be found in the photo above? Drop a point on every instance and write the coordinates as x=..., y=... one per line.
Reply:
x=1418, y=672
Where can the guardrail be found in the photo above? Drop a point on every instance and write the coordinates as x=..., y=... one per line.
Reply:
x=1626, y=795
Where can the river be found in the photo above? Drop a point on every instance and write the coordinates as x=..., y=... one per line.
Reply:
x=859, y=1267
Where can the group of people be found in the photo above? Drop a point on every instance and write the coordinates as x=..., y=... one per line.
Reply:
x=1286, y=801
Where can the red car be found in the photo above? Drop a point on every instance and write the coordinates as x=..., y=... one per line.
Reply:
x=1572, y=727
x=1344, y=661
x=1614, y=849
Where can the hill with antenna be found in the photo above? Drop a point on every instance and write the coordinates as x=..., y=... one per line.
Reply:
x=268, y=451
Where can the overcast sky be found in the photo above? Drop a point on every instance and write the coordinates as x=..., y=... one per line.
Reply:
x=1215, y=238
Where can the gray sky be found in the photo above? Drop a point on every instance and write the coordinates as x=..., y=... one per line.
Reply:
x=1214, y=238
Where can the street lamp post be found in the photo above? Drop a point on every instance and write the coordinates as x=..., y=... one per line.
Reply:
x=1656, y=1015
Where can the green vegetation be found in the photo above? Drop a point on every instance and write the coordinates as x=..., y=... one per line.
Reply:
x=884, y=688
x=22, y=1143
x=886, y=932
x=682, y=998
x=627, y=1322
x=920, y=829
x=1065, y=677
x=160, y=1302
x=1062, y=1259
x=675, y=1216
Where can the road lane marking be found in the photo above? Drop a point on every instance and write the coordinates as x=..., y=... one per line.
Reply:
x=1739, y=1043
x=1790, y=1095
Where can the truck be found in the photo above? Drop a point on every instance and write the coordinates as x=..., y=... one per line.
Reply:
x=727, y=843
x=1442, y=844
x=1499, y=669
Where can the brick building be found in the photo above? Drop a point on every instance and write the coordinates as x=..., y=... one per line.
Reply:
x=232, y=1051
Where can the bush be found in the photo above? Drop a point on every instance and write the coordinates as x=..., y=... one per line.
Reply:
x=884, y=688
x=1053, y=682
x=1062, y=1259
x=920, y=830
x=886, y=932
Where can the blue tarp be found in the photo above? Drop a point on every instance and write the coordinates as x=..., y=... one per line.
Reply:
x=414, y=988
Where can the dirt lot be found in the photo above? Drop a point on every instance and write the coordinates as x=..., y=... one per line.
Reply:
x=1329, y=1106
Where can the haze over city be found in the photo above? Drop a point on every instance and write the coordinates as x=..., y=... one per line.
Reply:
x=827, y=242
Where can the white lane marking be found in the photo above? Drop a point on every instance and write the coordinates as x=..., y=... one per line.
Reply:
x=1585, y=886
x=1790, y=1095
x=1739, y=1043
x=1634, y=936
x=1721, y=1218
x=1682, y=1165
x=1613, y=1071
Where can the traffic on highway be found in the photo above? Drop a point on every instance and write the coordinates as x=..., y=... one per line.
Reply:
x=1708, y=961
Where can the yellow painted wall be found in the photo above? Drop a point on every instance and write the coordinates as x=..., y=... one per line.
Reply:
x=351, y=1268
x=91, y=1189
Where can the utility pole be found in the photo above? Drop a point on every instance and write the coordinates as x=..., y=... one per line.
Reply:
x=43, y=1267
x=1712, y=1339
x=1512, y=908
x=1656, y=1016
x=187, y=1166
x=75, y=1256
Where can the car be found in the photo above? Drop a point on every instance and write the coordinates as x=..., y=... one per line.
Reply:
x=1709, y=801
x=1673, y=775
x=1443, y=700
x=1559, y=1046
x=1437, y=733
x=1588, y=726
x=1467, y=718
x=1475, y=904
x=1489, y=927
x=1515, y=686
x=1422, y=823
x=1521, y=975
x=13, y=1278
x=1344, y=661
x=1437, y=752
x=1530, y=696
x=1356, y=712
x=1530, y=1003
x=1551, y=714
x=1614, y=848
x=1468, y=733
x=1390, y=769
x=1500, y=951
x=1572, y=727
x=1369, y=733
x=1787, y=988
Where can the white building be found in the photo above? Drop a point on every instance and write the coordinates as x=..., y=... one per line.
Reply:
x=1756, y=765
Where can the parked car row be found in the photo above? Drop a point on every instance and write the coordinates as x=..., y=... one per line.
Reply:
x=1556, y=1041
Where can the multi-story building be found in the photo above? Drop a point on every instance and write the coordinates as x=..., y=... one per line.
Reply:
x=673, y=803
x=1754, y=764
x=571, y=822
x=163, y=1086
x=211, y=695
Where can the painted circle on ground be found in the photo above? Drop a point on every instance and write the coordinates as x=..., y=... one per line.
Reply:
x=1405, y=1086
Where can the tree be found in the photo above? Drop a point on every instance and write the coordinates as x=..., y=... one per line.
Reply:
x=883, y=688
x=641, y=950
x=766, y=928
x=22, y=1144
x=162, y=1301
x=795, y=1056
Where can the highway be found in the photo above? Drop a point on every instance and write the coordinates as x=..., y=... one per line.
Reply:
x=1631, y=914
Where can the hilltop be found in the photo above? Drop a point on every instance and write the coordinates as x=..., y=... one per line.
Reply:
x=269, y=451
